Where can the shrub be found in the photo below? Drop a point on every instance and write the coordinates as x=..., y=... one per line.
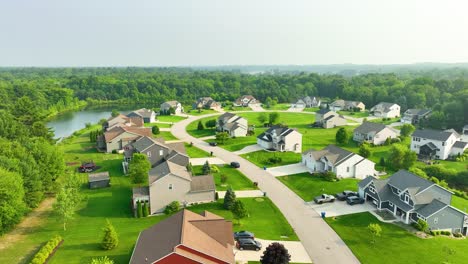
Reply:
x=229, y=199
x=457, y=234
x=274, y=160
x=395, y=140
x=200, y=126
x=145, y=209
x=422, y=225
x=42, y=255
x=110, y=239
x=446, y=233
x=139, y=209
x=214, y=169
x=328, y=176
x=216, y=196
x=114, y=151
x=172, y=207
x=223, y=178
x=155, y=130
x=102, y=260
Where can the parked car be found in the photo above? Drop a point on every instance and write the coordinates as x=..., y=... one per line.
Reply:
x=354, y=200
x=88, y=166
x=213, y=144
x=243, y=234
x=324, y=198
x=345, y=194
x=235, y=164
x=249, y=244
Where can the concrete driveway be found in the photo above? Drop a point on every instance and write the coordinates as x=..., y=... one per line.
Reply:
x=288, y=169
x=201, y=161
x=295, y=109
x=257, y=108
x=295, y=249
x=248, y=149
x=338, y=208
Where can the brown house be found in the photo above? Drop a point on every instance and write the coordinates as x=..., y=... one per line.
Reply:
x=186, y=237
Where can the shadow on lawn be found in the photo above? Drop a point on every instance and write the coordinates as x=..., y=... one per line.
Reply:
x=109, y=202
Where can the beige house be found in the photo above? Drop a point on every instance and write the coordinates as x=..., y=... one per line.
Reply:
x=329, y=119
x=122, y=120
x=374, y=133
x=119, y=136
x=386, y=110
x=166, y=106
x=281, y=139
x=206, y=103
x=246, y=100
x=148, y=115
x=343, y=105
x=233, y=124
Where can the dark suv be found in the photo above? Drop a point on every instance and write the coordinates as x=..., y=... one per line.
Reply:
x=243, y=234
x=249, y=244
x=345, y=194
x=354, y=200
x=213, y=144
x=235, y=164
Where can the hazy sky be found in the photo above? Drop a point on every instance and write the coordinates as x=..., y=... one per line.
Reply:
x=234, y=32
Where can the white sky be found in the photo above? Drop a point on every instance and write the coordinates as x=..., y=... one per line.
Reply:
x=231, y=32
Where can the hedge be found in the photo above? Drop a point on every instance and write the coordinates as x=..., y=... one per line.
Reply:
x=47, y=250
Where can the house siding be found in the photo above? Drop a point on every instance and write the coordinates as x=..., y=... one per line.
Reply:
x=176, y=258
x=443, y=152
x=447, y=218
x=293, y=142
x=160, y=195
x=117, y=143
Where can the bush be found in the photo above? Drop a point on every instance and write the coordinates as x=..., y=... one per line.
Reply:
x=446, y=233
x=172, y=208
x=139, y=209
x=145, y=209
x=42, y=255
x=395, y=140
x=328, y=176
x=214, y=169
x=457, y=235
x=155, y=130
x=422, y=225
x=274, y=160
x=114, y=151
x=216, y=196
x=110, y=239
x=223, y=178
x=102, y=260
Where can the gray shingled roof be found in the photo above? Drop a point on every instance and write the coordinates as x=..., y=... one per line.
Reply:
x=430, y=208
x=368, y=127
x=404, y=179
x=202, y=183
x=332, y=153
x=323, y=111
x=366, y=181
x=460, y=144
x=432, y=134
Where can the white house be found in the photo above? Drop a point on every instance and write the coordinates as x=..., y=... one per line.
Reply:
x=436, y=144
x=329, y=119
x=343, y=105
x=246, y=100
x=374, y=133
x=343, y=163
x=281, y=139
x=148, y=115
x=235, y=125
x=413, y=116
x=308, y=101
x=386, y=110
x=178, y=108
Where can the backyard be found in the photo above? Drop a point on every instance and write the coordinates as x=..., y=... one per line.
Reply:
x=234, y=178
x=354, y=114
x=396, y=245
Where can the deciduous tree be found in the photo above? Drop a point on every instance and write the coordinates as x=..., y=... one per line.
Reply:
x=138, y=168
x=342, y=136
x=275, y=253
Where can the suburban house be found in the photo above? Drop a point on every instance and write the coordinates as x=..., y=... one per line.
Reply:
x=343, y=163
x=122, y=120
x=307, y=102
x=246, y=100
x=374, y=133
x=166, y=106
x=437, y=144
x=464, y=135
x=329, y=119
x=280, y=139
x=119, y=136
x=234, y=125
x=206, y=103
x=386, y=110
x=413, y=116
x=186, y=238
x=410, y=197
x=99, y=180
x=343, y=105
x=148, y=115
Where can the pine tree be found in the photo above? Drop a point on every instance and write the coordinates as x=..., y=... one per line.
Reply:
x=229, y=199
x=110, y=239
x=275, y=253
x=206, y=168
x=238, y=210
x=145, y=209
x=200, y=126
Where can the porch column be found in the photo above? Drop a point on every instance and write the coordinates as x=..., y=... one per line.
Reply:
x=394, y=209
x=407, y=218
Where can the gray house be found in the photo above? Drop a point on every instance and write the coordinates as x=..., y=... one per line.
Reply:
x=410, y=197
x=329, y=119
x=148, y=115
x=308, y=101
x=374, y=133
x=414, y=116
x=98, y=180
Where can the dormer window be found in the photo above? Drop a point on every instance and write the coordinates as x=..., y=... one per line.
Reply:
x=406, y=198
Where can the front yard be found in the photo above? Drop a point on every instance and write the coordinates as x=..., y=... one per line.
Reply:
x=354, y=114
x=235, y=179
x=308, y=186
x=193, y=131
x=396, y=245
x=170, y=118
x=194, y=152
x=260, y=158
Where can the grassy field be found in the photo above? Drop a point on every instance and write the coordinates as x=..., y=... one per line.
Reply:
x=193, y=131
x=308, y=186
x=386, y=122
x=167, y=135
x=354, y=114
x=170, y=118
x=237, y=108
x=460, y=203
x=160, y=125
x=235, y=179
x=264, y=220
x=278, y=107
x=201, y=112
x=239, y=143
x=260, y=158
x=194, y=152
x=311, y=109
x=395, y=245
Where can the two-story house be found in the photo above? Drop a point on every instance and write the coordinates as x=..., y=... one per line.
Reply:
x=122, y=120
x=148, y=115
x=281, y=139
x=117, y=137
x=329, y=119
x=343, y=105
x=245, y=101
x=343, y=163
x=414, y=116
x=234, y=125
x=166, y=107
x=374, y=133
x=410, y=197
x=307, y=101
x=436, y=144
x=206, y=103
x=386, y=110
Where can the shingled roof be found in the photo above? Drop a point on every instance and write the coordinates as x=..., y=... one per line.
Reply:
x=438, y=135
x=368, y=127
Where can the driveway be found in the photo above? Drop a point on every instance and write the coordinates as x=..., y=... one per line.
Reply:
x=201, y=161
x=248, y=149
x=295, y=109
x=320, y=241
x=288, y=169
x=295, y=249
x=256, y=108
x=338, y=208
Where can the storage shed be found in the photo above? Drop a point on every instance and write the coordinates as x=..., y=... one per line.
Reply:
x=99, y=180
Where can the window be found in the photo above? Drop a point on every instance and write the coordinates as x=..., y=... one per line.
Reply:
x=347, y=169
x=161, y=152
x=371, y=189
x=443, y=143
x=436, y=220
x=391, y=204
x=148, y=154
x=406, y=198
x=170, y=186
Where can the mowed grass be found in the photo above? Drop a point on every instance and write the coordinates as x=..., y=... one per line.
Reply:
x=194, y=152
x=160, y=125
x=192, y=128
x=395, y=245
x=264, y=218
x=170, y=118
x=308, y=186
x=386, y=122
x=460, y=203
x=311, y=109
x=260, y=158
x=200, y=112
x=234, y=144
x=354, y=114
x=278, y=107
x=235, y=179
x=167, y=135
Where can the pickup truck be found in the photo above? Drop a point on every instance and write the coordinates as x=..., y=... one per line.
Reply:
x=324, y=198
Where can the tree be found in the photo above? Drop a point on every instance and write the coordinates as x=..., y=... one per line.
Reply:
x=273, y=118
x=401, y=157
x=206, y=169
x=222, y=137
x=200, y=125
x=375, y=230
x=238, y=210
x=190, y=167
x=229, y=199
x=12, y=204
x=275, y=253
x=155, y=130
x=172, y=207
x=210, y=123
x=139, y=209
x=382, y=161
x=223, y=178
x=365, y=150
x=262, y=118
x=342, y=136
x=68, y=199
x=422, y=225
x=110, y=239
x=115, y=113
x=406, y=130
x=102, y=260
x=138, y=168
x=146, y=209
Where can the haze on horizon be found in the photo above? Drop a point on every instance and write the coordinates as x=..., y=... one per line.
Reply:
x=241, y=32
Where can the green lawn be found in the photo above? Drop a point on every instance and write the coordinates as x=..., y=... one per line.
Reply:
x=386, y=122
x=170, y=118
x=460, y=203
x=167, y=135
x=354, y=114
x=235, y=179
x=311, y=109
x=237, y=108
x=260, y=158
x=234, y=144
x=308, y=186
x=278, y=107
x=258, y=262
x=160, y=125
x=264, y=220
x=194, y=152
x=201, y=112
x=193, y=131
x=395, y=245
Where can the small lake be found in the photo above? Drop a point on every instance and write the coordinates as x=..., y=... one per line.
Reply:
x=65, y=124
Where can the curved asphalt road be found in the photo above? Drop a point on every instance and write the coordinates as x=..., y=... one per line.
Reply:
x=321, y=242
